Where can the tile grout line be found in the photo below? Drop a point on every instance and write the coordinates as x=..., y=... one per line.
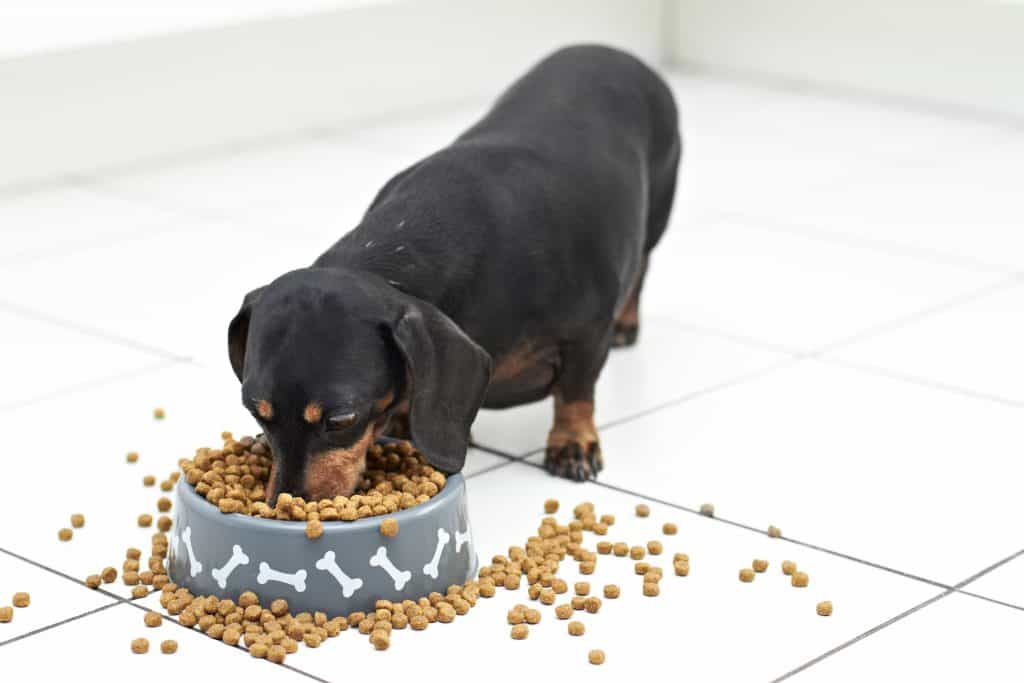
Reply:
x=892, y=620
x=116, y=600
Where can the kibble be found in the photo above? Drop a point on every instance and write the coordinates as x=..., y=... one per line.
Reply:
x=276, y=654
x=158, y=413
x=132, y=457
x=389, y=527
x=564, y=611
x=520, y=631
x=759, y=565
x=654, y=547
x=604, y=547
x=145, y=520
x=824, y=608
x=576, y=628
x=681, y=567
x=799, y=579
x=139, y=592
x=620, y=549
x=109, y=575
x=550, y=506
x=314, y=529
x=152, y=619
x=581, y=588
x=163, y=504
x=149, y=480
x=259, y=650
x=21, y=599
x=707, y=509
x=164, y=523
x=64, y=534
x=746, y=575
x=93, y=581
x=592, y=605
x=77, y=520
x=643, y=510
x=6, y=614
x=669, y=529
x=596, y=657
x=532, y=616
x=140, y=646
x=637, y=552
x=774, y=532
x=788, y=567
x=651, y=589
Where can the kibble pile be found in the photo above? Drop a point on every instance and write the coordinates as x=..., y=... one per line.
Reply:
x=234, y=478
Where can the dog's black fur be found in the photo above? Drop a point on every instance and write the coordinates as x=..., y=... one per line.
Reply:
x=496, y=271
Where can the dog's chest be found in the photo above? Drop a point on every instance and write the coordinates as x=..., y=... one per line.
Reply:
x=524, y=374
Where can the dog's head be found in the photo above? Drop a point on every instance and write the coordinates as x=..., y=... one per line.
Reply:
x=324, y=357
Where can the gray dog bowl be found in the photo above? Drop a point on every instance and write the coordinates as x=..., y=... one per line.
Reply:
x=347, y=569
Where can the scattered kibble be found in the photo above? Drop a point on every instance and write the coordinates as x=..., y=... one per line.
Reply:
x=164, y=523
x=315, y=529
x=824, y=608
x=681, y=567
x=520, y=631
x=592, y=604
x=389, y=527
x=637, y=552
x=651, y=589
x=669, y=529
x=163, y=504
x=152, y=619
x=576, y=628
x=799, y=579
x=109, y=575
x=774, y=532
x=132, y=457
x=620, y=549
x=140, y=646
x=582, y=588
x=564, y=611
x=596, y=657
x=21, y=599
x=149, y=480
x=6, y=614
x=139, y=592
x=611, y=591
x=77, y=520
x=550, y=506
x=654, y=547
x=604, y=547
x=746, y=575
x=158, y=413
x=93, y=581
x=169, y=647
x=642, y=510
x=707, y=509
x=64, y=534
x=788, y=567
x=759, y=565
x=145, y=520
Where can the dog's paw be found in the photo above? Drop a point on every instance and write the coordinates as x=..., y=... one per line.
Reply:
x=574, y=461
x=624, y=335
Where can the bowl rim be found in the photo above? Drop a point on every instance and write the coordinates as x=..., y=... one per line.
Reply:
x=453, y=486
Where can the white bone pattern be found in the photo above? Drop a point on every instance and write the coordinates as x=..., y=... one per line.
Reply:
x=328, y=564
x=174, y=542
x=237, y=558
x=430, y=569
x=296, y=580
x=195, y=567
x=460, y=539
x=400, y=577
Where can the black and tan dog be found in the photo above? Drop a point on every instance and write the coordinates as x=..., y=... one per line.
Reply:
x=495, y=272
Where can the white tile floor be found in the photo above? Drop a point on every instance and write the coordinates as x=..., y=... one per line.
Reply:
x=831, y=343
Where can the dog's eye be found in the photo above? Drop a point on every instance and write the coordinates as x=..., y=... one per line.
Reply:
x=340, y=421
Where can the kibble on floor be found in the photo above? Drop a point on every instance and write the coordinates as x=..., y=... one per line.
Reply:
x=64, y=534
x=596, y=657
x=140, y=646
x=6, y=614
x=824, y=608
x=21, y=599
x=77, y=520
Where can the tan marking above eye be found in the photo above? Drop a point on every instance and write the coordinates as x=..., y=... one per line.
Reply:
x=264, y=409
x=313, y=412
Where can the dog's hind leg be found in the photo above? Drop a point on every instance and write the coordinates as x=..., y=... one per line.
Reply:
x=573, y=449
x=627, y=323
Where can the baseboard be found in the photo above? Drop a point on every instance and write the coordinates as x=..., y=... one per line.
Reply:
x=77, y=111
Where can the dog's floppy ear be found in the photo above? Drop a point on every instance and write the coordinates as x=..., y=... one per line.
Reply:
x=238, y=332
x=449, y=374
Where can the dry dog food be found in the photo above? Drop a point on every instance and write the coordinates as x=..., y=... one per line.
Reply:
x=314, y=529
x=109, y=575
x=824, y=608
x=799, y=579
x=620, y=549
x=654, y=547
x=550, y=506
x=152, y=619
x=397, y=477
x=169, y=647
x=707, y=509
x=746, y=575
x=669, y=529
x=77, y=520
x=759, y=565
x=158, y=413
x=93, y=581
x=6, y=614
x=608, y=520
x=21, y=600
x=532, y=616
x=788, y=567
x=520, y=631
x=132, y=457
x=681, y=567
x=139, y=592
x=596, y=657
x=637, y=552
x=642, y=510
x=651, y=589
x=604, y=547
x=163, y=504
x=145, y=520
x=641, y=568
x=164, y=523
x=564, y=611
x=140, y=646
x=587, y=567
x=592, y=604
x=581, y=588
x=64, y=534
x=611, y=591
x=389, y=527
x=149, y=480
x=576, y=628
x=774, y=531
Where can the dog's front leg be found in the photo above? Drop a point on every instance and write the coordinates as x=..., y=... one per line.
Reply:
x=573, y=449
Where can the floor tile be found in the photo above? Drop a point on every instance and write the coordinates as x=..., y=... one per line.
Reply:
x=1002, y=583
x=40, y=224
x=39, y=358
x=788, y=289
x=53, y=598
x=957, y=638
x=175, y=291
x=880, y=469
x=103, y=640
x=669, y=363
x=709, y=614
x=975, y=346
x=98, y=426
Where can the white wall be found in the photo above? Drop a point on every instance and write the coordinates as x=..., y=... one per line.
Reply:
x=102, y=106
x=959, y=53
